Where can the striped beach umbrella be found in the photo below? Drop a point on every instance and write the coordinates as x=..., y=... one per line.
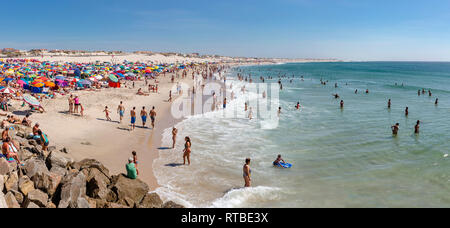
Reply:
x=31, y=100
x=113, y=78
x=7, y=91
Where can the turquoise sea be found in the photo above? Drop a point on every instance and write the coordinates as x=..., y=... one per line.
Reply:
x=341, y=158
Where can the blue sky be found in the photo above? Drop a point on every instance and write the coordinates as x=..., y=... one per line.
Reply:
x=343, y=29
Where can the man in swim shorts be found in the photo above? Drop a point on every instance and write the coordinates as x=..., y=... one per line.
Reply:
x=143, y=116
x=133, y=118
x=153, y=116
x=121, y=111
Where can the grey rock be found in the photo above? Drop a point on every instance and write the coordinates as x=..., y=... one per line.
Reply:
x=38, y=197
x=91, y=163
x=124, y=187
x=171, y=204
x=151, y=200
x=73, y=188
x=97, y=184
x=57, y=158
x=11, y=200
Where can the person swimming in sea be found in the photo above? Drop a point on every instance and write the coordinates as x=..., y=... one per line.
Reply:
x=336, y=96
x=278, y=160
x=395, y=129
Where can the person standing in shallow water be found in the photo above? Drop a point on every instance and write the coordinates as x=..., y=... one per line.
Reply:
x=436, y=102
x=406, y=111
x=247, y=172
x=389, y=103
x=187, y=151
x=342, y=104
x=174, y=137
x=395, y=129
x=417, y=127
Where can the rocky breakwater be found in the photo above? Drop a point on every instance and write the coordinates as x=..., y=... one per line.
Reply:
x=54, y=180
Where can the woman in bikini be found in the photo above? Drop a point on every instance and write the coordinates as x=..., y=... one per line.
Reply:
x=187, y=151
x=247, y=173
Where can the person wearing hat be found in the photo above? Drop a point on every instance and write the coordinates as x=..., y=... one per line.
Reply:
x=131, y=169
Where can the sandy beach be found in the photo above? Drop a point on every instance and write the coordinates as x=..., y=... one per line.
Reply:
x=91, y=136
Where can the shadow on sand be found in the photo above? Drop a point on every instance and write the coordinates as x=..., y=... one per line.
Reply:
x=173, y=165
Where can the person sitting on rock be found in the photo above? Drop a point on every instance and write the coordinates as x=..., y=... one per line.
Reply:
x=44, y=140
x=26, y=121
x=131, y=169
x=10, y=151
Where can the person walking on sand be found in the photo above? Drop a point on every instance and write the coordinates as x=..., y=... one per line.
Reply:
x=153, y=116
x=187, y=151
x=247, y=172
x=144, y=116
x=174, y=136
x=170, y=96
x=395, y=129
x=133, y=118
x=121, y=111
x=106, y=111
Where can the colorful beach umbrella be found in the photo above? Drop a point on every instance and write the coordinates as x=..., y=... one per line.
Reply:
x=7, y=91
x=31, y=100
x=113, y=78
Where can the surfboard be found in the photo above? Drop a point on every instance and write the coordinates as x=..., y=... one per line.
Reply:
x=285, y=165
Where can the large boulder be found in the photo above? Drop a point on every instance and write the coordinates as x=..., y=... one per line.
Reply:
x=4, y=166
x=59, y=170
x=11, y=200
x=37, y=197
x=32, y=205
x=35, y=166
x=2, y=182
x=91, y=163
x=18, y=195
x=171, y=204
x=12, y=183
x=3, y=203
x=47, y=182
x=97, y=184
x=73, y=188
x=151, y=200
x=57, y=158
x=128, y=189
x=25, y=185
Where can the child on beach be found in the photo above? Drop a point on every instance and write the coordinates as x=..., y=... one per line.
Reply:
x=106, y=111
